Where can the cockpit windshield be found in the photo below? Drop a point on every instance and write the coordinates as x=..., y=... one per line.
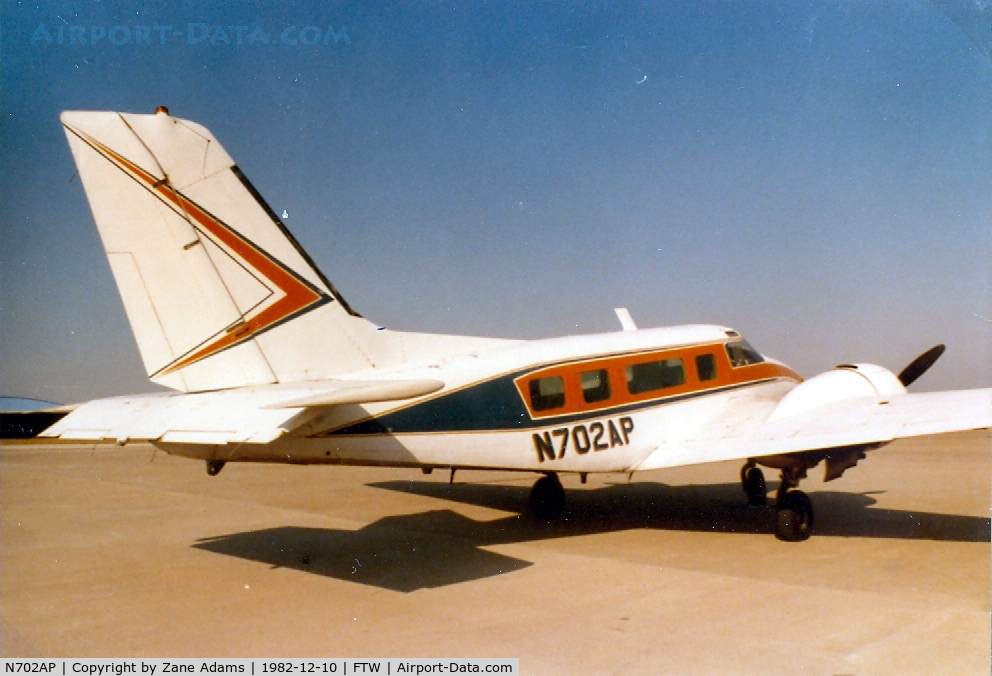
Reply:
x=742, y=354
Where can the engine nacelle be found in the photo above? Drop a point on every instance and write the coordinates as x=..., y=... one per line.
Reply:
x=847, y=381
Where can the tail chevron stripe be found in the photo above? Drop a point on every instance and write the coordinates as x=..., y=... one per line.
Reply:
x=293, y=294
x=288, y=235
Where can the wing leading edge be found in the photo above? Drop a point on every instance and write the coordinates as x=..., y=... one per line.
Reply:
x=852, y=423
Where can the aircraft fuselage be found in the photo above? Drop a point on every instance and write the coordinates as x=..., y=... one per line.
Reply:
x=597, y=403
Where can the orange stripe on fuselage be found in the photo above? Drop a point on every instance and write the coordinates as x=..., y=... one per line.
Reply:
x=297, y=295
x=726, y=375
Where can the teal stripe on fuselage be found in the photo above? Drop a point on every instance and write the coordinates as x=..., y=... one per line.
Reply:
x=492, y=406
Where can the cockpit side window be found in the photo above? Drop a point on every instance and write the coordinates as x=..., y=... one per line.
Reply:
x=547, y=393
x=706, y=367
x=654, y=375
x=742, y=354
x=595, y=386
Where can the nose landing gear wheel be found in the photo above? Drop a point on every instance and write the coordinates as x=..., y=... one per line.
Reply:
x=214, y=467
x=547, y=498
x=753, y=483
x=795, y=516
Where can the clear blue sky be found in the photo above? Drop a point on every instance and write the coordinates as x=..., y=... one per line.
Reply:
x=817, y=176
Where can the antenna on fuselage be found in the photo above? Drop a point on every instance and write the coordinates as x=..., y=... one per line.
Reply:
x=626, y=321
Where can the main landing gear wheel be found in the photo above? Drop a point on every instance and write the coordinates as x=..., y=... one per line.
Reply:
x=547, y=498
x=753, y=483
x=795, y=516
x=214, y=467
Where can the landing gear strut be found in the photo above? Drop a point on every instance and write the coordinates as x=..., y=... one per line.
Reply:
x=794, y=510
x=753, y=483
x=547, y=498
x=214, y=467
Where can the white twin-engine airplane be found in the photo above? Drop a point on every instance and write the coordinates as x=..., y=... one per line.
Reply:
x=270, y=364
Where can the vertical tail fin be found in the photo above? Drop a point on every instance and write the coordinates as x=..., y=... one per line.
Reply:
x=217, y=291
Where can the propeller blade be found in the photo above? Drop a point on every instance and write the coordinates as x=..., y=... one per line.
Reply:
x=920, y=365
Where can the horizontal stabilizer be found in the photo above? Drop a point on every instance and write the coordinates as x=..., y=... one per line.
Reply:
x=361, y=392
x=253, y=415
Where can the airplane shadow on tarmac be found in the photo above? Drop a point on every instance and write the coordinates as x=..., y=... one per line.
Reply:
x=441, y=547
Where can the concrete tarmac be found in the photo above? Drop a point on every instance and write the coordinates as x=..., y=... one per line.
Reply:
x=115, y=552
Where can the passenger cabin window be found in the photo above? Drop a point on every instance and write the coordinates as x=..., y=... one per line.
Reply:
x=547, y=393
x=595, y=386
x=654, y=375
x=742, y=354
x=705, y=367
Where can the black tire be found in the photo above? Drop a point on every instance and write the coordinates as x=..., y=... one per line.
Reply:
x=744, y=470
x=795, y=517
x=753, y=483
x=214, y=467
x=547, y=498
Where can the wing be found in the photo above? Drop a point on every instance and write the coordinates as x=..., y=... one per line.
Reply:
x=858, y=422
x=255, y=415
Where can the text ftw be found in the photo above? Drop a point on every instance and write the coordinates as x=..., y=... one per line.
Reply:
x=597, y=436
